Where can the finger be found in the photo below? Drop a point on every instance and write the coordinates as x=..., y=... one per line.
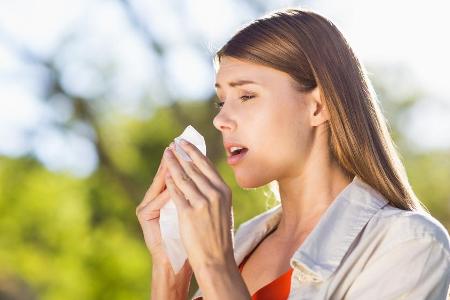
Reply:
x=156, y=201
x=161, y=163
x=150, y=210
x=176, y=195
x=205, y=186
x=158, y=184
x=202, y=162
x=182, y=180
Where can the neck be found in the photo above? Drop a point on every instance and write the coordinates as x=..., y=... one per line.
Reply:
x=304, y=198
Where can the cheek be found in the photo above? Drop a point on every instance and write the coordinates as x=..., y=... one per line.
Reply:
x=259, y=167
x=280, y=140
x=287, y=133
x=277, y=145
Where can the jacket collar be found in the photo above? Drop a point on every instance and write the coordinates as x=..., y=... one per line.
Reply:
x=322, y=251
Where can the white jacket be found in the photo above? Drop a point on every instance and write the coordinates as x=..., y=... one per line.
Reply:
x=361, y=248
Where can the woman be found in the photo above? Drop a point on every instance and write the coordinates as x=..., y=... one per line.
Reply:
x=298, y=109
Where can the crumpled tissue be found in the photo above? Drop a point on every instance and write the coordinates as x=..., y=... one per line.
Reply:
x=168, y=218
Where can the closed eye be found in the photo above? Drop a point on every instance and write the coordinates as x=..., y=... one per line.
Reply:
x=245, y=98
x=219, y=105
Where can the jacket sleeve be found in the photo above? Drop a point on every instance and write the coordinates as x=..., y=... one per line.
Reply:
x=416, y=269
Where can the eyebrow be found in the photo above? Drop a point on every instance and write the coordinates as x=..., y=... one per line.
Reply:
x=236, y=83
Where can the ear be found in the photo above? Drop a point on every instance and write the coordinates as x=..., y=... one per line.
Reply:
x=319, y=112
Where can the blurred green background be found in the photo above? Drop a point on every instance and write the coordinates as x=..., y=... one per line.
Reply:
x=91, y=92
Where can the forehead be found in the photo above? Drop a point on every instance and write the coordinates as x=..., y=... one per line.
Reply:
x=230, y=63
x=231, y=70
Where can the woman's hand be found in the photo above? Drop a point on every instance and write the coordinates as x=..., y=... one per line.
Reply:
x=148, y=212
x=204, y=208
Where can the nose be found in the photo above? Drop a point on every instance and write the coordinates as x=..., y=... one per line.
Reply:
x=223, y=123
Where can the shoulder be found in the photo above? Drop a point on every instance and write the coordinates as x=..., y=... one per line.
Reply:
x=404, y=254
x=392, y=226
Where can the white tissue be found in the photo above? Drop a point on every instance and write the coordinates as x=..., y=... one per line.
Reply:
x=168, y=218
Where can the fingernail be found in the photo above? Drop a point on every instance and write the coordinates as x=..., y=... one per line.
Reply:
x=172, y=145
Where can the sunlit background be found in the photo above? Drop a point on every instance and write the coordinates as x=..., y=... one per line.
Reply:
x=92, y=91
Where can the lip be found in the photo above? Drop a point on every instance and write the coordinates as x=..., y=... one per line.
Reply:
x=234, y=159
x=228, y=146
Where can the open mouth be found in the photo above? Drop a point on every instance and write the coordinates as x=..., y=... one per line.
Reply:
x=236, y=154
x=237, y=150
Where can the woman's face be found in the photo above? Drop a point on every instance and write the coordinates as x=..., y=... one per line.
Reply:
x=271, y=121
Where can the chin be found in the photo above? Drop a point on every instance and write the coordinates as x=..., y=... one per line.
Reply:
x=249, y=181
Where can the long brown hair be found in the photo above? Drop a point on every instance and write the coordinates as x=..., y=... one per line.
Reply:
x=311, y=49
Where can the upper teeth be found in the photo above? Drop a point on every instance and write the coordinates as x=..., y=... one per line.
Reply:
x=232, y=149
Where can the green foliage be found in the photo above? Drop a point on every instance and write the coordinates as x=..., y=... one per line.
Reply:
x=66, y=238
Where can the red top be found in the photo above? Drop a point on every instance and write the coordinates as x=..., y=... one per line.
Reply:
x=275, y=290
